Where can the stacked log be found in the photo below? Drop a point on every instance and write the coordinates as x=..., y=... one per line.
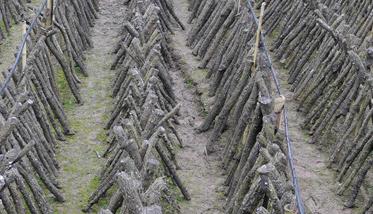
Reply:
x=245, y=108
x=32, y=117
x=141, y=128
x=11, y=12
x=327, y=47
x=73, y=21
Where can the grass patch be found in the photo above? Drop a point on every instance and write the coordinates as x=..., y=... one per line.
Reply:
x=67, y=99
x=77, y=126
x=169, y=208
x=92, y=186
x=189, y=83
x=72, y=168
x=174, y=190
x=102, y=136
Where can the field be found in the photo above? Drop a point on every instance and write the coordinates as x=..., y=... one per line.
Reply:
x=186, y=106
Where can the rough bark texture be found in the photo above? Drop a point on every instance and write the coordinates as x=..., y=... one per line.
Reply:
x=326, y=46
x=144, y=114
x=32, y=116
x=254, y=154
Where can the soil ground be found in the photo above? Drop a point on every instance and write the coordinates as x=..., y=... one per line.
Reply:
x=317, y=182
x=79, y=156
x=200, y=173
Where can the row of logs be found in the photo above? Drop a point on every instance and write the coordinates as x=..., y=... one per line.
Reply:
x=11, y=12
x=245, y=108
x=142, y=134
x=327, y=46
x=32, y=117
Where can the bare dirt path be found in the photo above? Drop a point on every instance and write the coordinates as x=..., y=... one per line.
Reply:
x=78, y=156
x=201, y=174
x=317, y=182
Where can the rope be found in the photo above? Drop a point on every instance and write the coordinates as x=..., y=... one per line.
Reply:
x=22, y=46
x=298, y=196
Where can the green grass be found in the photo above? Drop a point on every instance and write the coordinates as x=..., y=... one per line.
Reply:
x=92, y=186
x=72, y=168
x=189, y=83
x=102, y=136
x=168, y=208
x=67, y=99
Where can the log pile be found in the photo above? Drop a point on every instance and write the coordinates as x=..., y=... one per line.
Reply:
x=142, y=133
x=327, y=48
x=11, y=12
x=32, y=116
x=73, y=21
x=255, y=152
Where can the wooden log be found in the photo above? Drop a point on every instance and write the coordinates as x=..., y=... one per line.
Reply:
x=172, y=171
x=130, y=146
x=129, y=188
x=153, y=194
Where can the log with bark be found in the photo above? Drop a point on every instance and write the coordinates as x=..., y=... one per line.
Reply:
x=326, y=47
x=32, y=116
x=141, y=154
x=254, y=149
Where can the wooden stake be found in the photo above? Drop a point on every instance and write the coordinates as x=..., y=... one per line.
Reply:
x=278, y=109
x=24, y=51
x=257, y=42
x=239, y=6
x=49, y=21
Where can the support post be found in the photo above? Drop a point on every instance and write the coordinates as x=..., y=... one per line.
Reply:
x=24, y=51
x=278, y=109
x=257, y=41
x=49, y=17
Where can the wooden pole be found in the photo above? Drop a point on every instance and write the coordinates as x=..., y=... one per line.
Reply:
x=24, y=51
x=278, y=109
x=257, y=41
x=49, y=21
x=256, y=50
